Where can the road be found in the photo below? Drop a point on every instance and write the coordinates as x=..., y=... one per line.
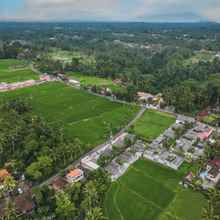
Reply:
x=99, y=147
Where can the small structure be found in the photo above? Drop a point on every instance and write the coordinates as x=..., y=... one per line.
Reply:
x=3, y=174
x=145, y=97
x=74, y=82
x=188, y=179
x=204, y=136
x=24, y=204
x=90, y=162
x=213, y=170
x=75, y=175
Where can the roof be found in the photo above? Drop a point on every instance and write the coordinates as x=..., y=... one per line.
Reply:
x=203, y=113
x=214, y=171
x=204, y=135
x=189, y=177
x=24, y=203
x=4, y=173
x=74, y=173
x=215, y=162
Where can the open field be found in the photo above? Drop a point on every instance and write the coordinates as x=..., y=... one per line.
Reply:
x=96, y=81
x=149, y=191
x=12, y=70
x=152, y=124
x=201, y=56
x=67, y=56
x=80, y=114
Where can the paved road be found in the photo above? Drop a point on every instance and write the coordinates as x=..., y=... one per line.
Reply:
x=99, y=147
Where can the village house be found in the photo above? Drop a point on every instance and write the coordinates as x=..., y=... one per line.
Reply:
x=213, y=169
x=149, y=99
x=3, y=174
x=74, y=82
x=24, y=203
x=74, y=176
x=205, y=135
x=211, y=174
x=90, y=162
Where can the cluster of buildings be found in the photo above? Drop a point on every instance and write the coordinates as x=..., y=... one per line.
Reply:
x=184, y=141
x=121, y=163
x=210, y=175
x=116, y=168
x=4, y=87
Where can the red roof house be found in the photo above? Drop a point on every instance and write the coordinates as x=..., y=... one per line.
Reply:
x=3, y=174
x=203, y=136
x=75, y=175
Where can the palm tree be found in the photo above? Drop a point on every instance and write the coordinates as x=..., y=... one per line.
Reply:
x=9, y=211
x=95, y=214
x=90, y=196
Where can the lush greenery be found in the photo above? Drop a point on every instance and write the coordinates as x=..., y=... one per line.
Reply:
x=90, y=81
x=178, y=60
x=152, y=124
x=12, y=70
x=81, y=115
x=153, y=192
x=29, y=145
x=76, y=201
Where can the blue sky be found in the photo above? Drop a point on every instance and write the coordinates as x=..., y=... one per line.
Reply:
x=10, y=6
x=110, y=10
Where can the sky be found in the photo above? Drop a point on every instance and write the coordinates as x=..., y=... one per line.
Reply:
x=110, y=10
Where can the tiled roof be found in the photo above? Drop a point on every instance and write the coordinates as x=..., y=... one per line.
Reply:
x=74, y=173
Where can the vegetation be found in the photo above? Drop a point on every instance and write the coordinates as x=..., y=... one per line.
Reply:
x=153, y=192
x=152, y=124
x=12, y=70
x=90, y=81
x=29, y=145
x=80, y=200
x=81, y=115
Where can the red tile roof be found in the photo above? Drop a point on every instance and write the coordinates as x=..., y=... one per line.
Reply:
x=74, y=173
x=4, y=173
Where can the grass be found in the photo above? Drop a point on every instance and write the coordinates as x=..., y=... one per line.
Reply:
x=86, y=80
x=211, y=118
x=150, y=191
x=152, y=124
x=67, y=56
x=80, y=114
x=12, y=70
x=204, y=56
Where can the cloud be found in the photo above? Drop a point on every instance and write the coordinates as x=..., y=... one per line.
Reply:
x=179, y=10
x=135, y=10
x=69, y=9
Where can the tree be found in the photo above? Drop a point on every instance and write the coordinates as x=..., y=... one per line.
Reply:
x=38, y=169
x=65, y=208
x=9, y=211
x=95, y=214
x=90, y=196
